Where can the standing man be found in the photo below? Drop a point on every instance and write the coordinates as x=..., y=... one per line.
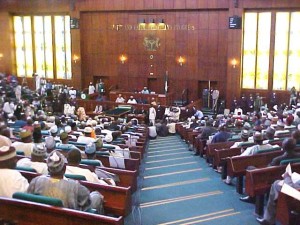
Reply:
x=101, y=87
x=91, y=89
x=293, y=96
x=152, y=115
x=18, y=92
x=215, y=97
x=37, y=80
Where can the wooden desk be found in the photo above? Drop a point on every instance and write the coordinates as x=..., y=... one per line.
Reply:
x=146, y=98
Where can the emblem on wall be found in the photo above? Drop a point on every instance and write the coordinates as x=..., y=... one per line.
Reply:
x=151, y=43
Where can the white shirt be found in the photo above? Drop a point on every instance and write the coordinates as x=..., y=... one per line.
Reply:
x=11, y=181
x=23, y=147
x=171, y=128
x=152, y=131
x=215, y=94
x=8, y=107
x=90, y=176
x=152, y=113
x=132, y=101
x=120, y=100
x=40, y=167
x=91, y=89
x=86, y=140
x=254, y=149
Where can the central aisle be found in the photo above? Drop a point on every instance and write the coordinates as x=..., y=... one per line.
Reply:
x=179, y=188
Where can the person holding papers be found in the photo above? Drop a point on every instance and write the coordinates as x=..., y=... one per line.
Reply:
x=290, y=179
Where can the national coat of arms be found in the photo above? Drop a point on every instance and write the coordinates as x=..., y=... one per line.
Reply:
x=151, y=43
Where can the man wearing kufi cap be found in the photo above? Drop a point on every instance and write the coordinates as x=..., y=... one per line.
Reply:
x=11, y=180
x=244, y=138
x=71, y=192
x=25, y=144
x=87, y=136
x=258, y=141
x=37, y=160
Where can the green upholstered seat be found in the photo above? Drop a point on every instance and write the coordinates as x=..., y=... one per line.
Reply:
x=287, y=161
x=102, y=153
x=246, y=144
x=269, y=150
x=75, y=176
x=20, y=152
x=90, y=162
x=38, y=198
x=26, y=168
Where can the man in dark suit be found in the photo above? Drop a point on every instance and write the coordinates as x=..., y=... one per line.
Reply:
x=288, y=146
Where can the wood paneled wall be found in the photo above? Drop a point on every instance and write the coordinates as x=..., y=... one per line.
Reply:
x=208, y=49
x=203, y=46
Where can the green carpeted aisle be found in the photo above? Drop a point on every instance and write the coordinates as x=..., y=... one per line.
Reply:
x=179, y=188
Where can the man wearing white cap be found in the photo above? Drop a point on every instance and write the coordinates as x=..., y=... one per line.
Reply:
x=71, y=192
x=11, y=180
x=37, y=160
x=87, y=136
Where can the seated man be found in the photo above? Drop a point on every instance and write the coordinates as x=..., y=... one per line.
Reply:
x=87, y=138
x=131, y=100
x=74, y=159
x=37, y=160
x=244, y=138
x=25, y=144
x=288, y=147
x=270, y=212
x=120, y=99
x=222, y=135
x=11, y=180
x=258, y=141
x=64, y=145
x=152, y=131
x=145, y=91
x=71, y=192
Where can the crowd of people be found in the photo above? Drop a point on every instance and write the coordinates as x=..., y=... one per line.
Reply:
x=254, y=132
x=31, y=124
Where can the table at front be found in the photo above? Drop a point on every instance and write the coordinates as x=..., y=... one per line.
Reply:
x=117, y=112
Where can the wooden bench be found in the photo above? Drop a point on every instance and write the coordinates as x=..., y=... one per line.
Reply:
x=21, y=212
x=128, y=178
x=130, y=164
x=211, y=148
x=117, y=200
x=259, y=181
x=288, y=210
x=237, y=165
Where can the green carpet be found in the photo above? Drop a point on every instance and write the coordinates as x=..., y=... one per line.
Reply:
x=179, y=188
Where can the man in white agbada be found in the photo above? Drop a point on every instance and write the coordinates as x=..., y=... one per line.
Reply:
x=11, y=180
x=152, y=115
x=71, y=192
x=91, y=88
x=37, y=160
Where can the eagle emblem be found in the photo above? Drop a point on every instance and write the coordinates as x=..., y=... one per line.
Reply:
x=151, y=43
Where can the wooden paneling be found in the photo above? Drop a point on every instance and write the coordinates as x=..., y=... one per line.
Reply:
x=208, y=49
x=202, y=47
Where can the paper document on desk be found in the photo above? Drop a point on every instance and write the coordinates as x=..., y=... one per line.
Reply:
x=295, y=178
x=288, y=171
x=290, y=191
